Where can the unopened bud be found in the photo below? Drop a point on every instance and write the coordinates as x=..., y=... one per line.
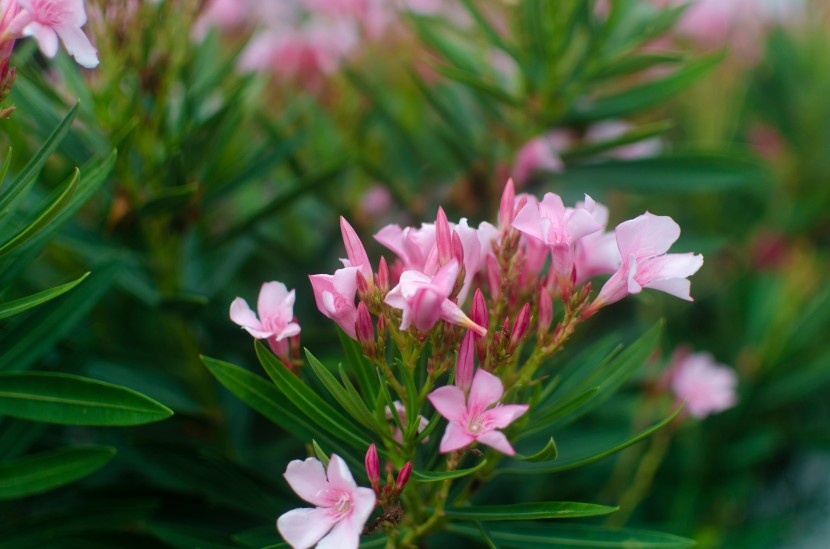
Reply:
x=493, y=276
x=362, y=283
x=507, y=205
x=355, y=250
x=464, y=365
x=457, y=248
x=545, y=310
x=403, y=477
x=373, y=468
x=443, y=238
x=480, y=314
x=520, y=327
x=382, y=276
x=381, y=328
x=363, y=326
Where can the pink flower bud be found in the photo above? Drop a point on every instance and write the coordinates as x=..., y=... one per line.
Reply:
x=403, y=477
x=491, y=265
x=464, y=365
x=381, y=327
x=362, y=283
x=443, y=238
x=364, y=327
x=382, y=277
x=520, y=327
x=480, y=314
x=355, y=250
x=506, y=207
x=545, y=310
x=457, y=248
x=373, y=467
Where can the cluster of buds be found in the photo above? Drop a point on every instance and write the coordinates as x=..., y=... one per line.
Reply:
x=47, y=21
x=387, y=496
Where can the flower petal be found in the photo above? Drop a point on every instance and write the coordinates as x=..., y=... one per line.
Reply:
x=449, y=401
x=455, y=437
x=78, y=46
x=485, y=391
x=502, y=416
x=497, y=440
x=647, y=235
x=339, y=475
x=47, y=39
x=270, y=301
x=242, y=315
x=308, y=479
x=302, y=528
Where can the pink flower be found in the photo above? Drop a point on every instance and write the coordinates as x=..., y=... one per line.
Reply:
x=541, y=154
x=411, y=245
x=643, y=243
x=275, y=324
x=335, y=295
x=47, y=20
x=557, y=227
x=596, y=253
x=706, y=386
x=474, y=418
x=400, y=410
x=355, y=251
x=425, y=299
x=341, y=507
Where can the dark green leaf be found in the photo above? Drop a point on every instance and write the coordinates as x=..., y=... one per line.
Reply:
x=11, y=308
x=42, y=472
x=438, y=476
x=548, y=453
x=529, y=511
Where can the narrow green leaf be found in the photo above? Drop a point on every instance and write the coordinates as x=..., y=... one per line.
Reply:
x=485, y=536
x=545, y=535
x=364, y=371
x=45, y=471
x=438, y=476
x=573, y=463
x=321, y=455
x=11, y=308
x=307, y=401
x=529, y=511
x=548, y=453
x=8, y=195
x=73, y=400
x=548, y=417
x=4, y=170
x=630, y=64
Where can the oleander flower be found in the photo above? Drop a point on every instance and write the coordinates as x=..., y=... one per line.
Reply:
x=341, y=507
x=275, y=323
x=334, y=295
x=706, y=386
x=48, y=20
x=400, y=410
x=474, y=418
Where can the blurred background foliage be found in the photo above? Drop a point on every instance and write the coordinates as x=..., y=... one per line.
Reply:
x=226, y=178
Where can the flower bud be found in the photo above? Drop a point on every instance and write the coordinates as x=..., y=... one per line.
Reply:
x=363, y=326
x=403, y=477
x=381, y=328
x=457, y=248
x=362, y=283
x=545, y=311
x=519, y=327
x=480, y=314
x=355, y=250
x=373, y=468
x=506, y=207
x=443, y=238
x=464, y=365
x=493, y=276
x=382, y=276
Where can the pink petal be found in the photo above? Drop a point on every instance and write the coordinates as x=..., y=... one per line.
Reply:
x=78, y=46
x=647, y=235
x=302, y=528
x=455, y=437
x=271, y=300
x=339, y=475
x=678, y=287
x=485, y=391
x=502, y=416
x=581, y=223
x=675, y=265
x=346, y=534
x=529, y=221
x=308, y=479
x=426, y=309
x=497, y=440
x=242, y=315
x=444, y=280
x=47, y=39
x=449, y=401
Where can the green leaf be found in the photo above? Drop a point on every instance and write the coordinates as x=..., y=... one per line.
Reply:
x=438, y=476
x=67, y=399
x=183, y=537
x=552, y=414
x=264, y=397
x=11, y=308
x=45, y=471
x=8, y=195
x=645, y=96
x=529, y=511
x=545, y=535
x=321, y=455
x=670, y=173
x=364, y=371
x=548, y=453
x=573, y=463
x=630, y=64
x=309, y=403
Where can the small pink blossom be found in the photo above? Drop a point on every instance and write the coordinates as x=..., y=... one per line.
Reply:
x=425, y=299
x=557, y=227
x=643, y=243
x=706, y=386
x=275, y=323
x=541, y=154
x=341, y=507
x=596, y=253
x=48, y=20
x=335, y=294
x=400, y=410
x=473, y=418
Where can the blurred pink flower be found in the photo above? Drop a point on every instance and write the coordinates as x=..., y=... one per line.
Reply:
x=334, y=295
x=473, y=417
x=708, y=387
x=376, y=201
x=596, y=253
x=275, y=323
x=48, y=20
x=400, y=410
x=643, y=243
x=541, y=154
x=341, y=507
x=222, y=14
x=425, y=299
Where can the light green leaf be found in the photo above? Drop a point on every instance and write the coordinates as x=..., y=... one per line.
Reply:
x=72, y=400
x=321, y=455
x=45, y=471
x=11, y=308
x=548, y=453
x=529, y=511
x=438, y=476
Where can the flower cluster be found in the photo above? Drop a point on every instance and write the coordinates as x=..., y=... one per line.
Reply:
x=467, y=301
x=305, y=39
